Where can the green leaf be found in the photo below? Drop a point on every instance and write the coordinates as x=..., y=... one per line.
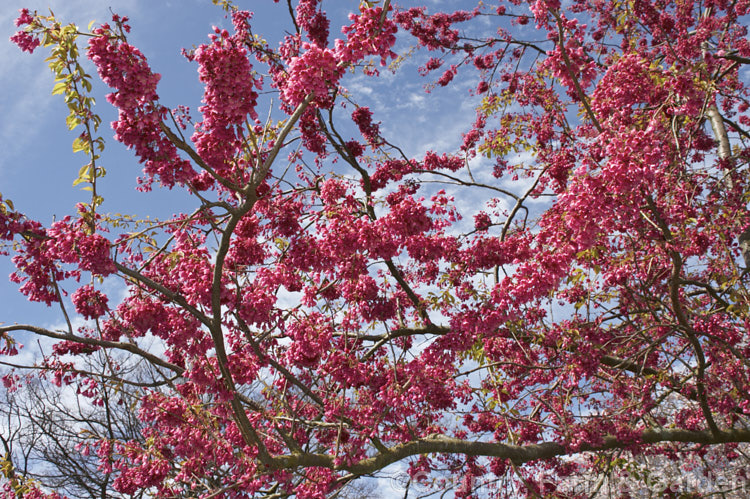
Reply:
x=59, y=88
x=81, y=145
x=72, y=121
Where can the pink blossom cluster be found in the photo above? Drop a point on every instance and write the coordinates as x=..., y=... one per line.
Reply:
x=191, y=274
x=393, y=170
x=312, y=138
x=246, y=249
x=124, y=67
x=482, y=221
x=408, y=217
x=65, y=242
x=332, y=191
x=362, y=117
x=570, y=63
x=25, y=40
x=24, y=18
x=73, y=348
x=37, y=271
x=369, y=34
x=30, y=490
x=313, y=21
x=315, y=71
x=448, y=76
x=229, y=97
x=432, y=64
x=71, y=243
x=89, y=302
x=311, y=341
x=434, y=162
x=224, y=68
x=13, y=223
x=139, y=315
x=433, y=31
x=389, y=171
x=628, y=83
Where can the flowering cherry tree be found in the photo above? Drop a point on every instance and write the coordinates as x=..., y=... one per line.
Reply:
x=331, y=305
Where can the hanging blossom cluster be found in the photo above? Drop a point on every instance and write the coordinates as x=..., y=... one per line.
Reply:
x=437, y=31
x=138, y=126
x=313, y=21
x=67, y=241
x=89, y=302
x=362, y=117
x=230, y=95
x=369, y=34
x=36, y=269
x=13, y=223
x=569, y=61
x=25, y=40
x=317, y=69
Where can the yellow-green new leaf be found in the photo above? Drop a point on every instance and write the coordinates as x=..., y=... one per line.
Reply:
x=81, y=145
x=59, y=88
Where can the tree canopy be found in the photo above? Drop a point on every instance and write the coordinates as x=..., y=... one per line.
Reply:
x=556, y=294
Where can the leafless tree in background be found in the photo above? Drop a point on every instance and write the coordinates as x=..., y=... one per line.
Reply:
x=43, y=424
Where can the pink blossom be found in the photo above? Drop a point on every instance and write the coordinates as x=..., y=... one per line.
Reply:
x=362, y=116
x=90, y=302
x=315, y=71
x=25, y=41
x=229, y=97
x=138, y=126
x=482, y=221
x=367, y=36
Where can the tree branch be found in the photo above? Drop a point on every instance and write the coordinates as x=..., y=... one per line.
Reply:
x=119, y=345
x=518, y=454
x=569, y=66
x=171, y=295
